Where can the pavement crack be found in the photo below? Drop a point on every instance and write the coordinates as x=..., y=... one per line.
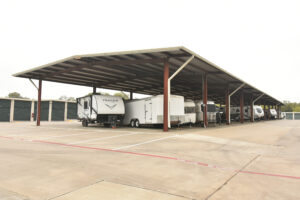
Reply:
x=75, y=190
x=230, y=178
x=159, y=191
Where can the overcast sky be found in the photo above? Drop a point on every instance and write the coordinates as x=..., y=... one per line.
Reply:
x=258, y=41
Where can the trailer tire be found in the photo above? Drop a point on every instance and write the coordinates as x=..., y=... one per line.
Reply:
x=85, y=123
x=137, y=123
x=132, y=123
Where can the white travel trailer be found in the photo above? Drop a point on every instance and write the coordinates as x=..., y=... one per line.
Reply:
x=149, y=111
x=189, y=112
x=100, y=108
x=272, y=113
x=257, y=111
x=211, y=112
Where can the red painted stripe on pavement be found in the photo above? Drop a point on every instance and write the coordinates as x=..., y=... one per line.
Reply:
x=12, y=138
x=154, y=156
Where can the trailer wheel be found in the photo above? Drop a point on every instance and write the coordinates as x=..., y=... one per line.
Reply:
x=132, y=123
x=85, y=123
x=137, y=123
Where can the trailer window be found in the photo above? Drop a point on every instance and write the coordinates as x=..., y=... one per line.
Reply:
x=189, y=110
x=211, y=108
x=259, y=110
x=85, y=105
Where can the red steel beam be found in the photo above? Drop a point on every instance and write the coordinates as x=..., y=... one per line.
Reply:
x=131, y=95
x=265, y=114
x=205, y=100
x=38, y=118
x=251, y=110
x=242, y=107
x=166, y=103
x=227, y=105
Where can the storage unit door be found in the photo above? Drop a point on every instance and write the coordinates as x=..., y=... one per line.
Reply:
x=72, y=111
x=22, y=110
x=58, y=111
x=44, y=110
x=4, y=110
x=297, y=116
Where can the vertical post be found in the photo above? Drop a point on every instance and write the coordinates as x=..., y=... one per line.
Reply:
x=242, y=107
x=293, y=115
x=166, y=98
x=38, y=119
x=50, y=111
x=66, y=111
x=131, y=95
x=265, y=114
x=12, y=110
x=94, y=89
x=251, y=110
x=32, y=111
x=227, y=106
x=205, y=100
x=278, y=114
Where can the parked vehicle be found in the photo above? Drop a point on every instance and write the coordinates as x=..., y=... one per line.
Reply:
x=282, y=115
x=149, y=111
x=272, y=113
x=211, y=112
x=95, y=108
x=221, y=114
x=257, y=111
x=189, y=112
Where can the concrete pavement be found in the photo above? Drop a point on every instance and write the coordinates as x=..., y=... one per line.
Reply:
x=65, y=161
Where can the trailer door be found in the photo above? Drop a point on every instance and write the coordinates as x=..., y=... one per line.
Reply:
x=86, y=108
x=148, y=111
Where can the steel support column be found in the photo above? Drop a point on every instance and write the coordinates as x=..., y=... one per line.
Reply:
x=227, y=106
x=204, y=80
x=131, y=95
x=265, y=114
x=242, y=107
x=166, y=102
x=94, y=89
x=277, y=110
x=237, y=89
x=252, y=105
x=169, y=83
x=38, y=118
x=251, y=110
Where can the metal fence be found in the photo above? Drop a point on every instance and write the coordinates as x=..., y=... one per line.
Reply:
x=292, y=115
x=12, y=109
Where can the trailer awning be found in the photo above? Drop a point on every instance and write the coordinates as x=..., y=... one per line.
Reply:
x=142, y=72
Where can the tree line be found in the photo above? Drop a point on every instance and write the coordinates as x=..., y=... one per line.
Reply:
x=290, y=107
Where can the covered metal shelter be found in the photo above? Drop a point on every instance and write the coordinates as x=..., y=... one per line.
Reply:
x=175, y=70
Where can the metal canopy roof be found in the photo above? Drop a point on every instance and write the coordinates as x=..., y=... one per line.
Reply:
x=142, y=72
